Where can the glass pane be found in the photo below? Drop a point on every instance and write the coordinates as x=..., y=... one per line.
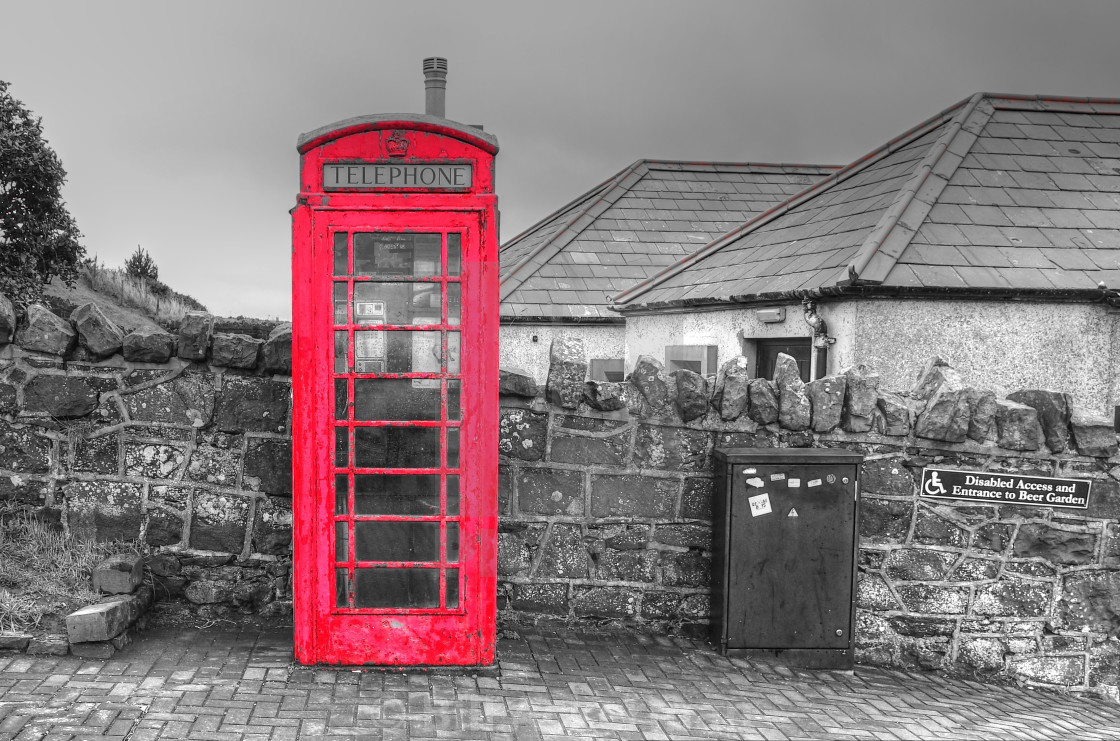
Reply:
x=341, y=345
x=388, y=254
x=453, y=395
x=396, y=541
x=454, y=254
x=341, y=398
x=452, y=447
x=452, y=588
x=341, y=264
x=404, y=588
x=454, y=302
x=395, y=399
x=341, y=447
x=341, y=541
x=452, y=352
x=341, y=588
x=377, y=351
x=339, y=298
x=452, y=542
x=452, y=496
x=396, y=447
x=396, y=303
x=341, y=494
x=387, y=494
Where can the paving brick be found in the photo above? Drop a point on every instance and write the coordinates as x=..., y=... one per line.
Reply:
x=552, y=685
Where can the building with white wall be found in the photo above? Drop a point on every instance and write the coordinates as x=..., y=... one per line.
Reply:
x=988, y=234
x=558, y=277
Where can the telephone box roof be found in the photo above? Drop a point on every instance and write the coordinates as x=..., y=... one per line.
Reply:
x=644, y=218
x=423, y=122
x=998, y=195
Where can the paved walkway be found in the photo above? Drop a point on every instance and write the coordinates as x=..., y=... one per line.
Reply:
x=207, y=684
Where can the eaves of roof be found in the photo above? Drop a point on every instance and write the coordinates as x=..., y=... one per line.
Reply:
x=886, y=242
x=1100, y=295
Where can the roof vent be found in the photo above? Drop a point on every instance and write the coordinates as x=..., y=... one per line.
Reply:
x=435, y=86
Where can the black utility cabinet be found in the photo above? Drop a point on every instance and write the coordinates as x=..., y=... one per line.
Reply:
x=784, y=554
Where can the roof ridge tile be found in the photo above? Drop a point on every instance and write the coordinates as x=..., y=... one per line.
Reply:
x=871, y=264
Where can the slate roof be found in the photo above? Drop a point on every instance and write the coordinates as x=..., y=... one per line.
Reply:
x=997, y=195
x=632, y=226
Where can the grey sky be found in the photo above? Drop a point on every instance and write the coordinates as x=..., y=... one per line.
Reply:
x=177, y=123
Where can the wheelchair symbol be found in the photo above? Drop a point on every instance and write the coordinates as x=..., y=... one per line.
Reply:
x=933, y=487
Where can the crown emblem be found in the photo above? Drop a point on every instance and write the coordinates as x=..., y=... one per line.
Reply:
x=397, y=145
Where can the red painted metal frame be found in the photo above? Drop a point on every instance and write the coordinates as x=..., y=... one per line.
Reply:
x=325, y=633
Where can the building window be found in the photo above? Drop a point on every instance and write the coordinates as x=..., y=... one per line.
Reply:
x=798, y=348
x=696, y=358
x=608, y=369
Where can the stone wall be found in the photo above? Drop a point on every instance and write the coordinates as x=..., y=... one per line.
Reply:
x=181, y=442
x=606, y=490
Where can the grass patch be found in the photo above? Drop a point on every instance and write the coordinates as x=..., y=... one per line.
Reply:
x=45, y=574
x=154, y=298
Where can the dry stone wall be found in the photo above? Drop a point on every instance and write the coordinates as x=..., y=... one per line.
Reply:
x=179, y=441
x=182, y=441
x=606, y=492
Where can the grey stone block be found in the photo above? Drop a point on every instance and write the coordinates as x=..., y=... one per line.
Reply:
x=119, y=574
x=692, y=395
x=826, y=395
x=148, y=345
x=936, y=374
x=276, y=353
x=1017, y=426
x=93, y=650
x=516, y=382
x=195, y=331
x=49, y=645
x=794, y=407
x=252, y=405
x=62, y=397
x=92, y=517
x=14, y=641
x=1094, y=435
x=895, y=414
x=46, y=333
x=763, y=395
x=648, y=377
x=97, y=333
x=235, y=350
x=860, y=397
x=522, y=434
x=98, y=622
x=946, y=415
x=1053, y=414
x=982, y=415
x=567, y=371
x=733, y=383
x=604, y=395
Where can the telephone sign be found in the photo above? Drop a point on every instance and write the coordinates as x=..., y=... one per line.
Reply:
x=395, y=305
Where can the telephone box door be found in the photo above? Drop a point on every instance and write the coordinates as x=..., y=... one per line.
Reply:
x=404, y=531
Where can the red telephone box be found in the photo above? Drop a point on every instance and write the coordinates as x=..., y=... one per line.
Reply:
x=395, y=367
